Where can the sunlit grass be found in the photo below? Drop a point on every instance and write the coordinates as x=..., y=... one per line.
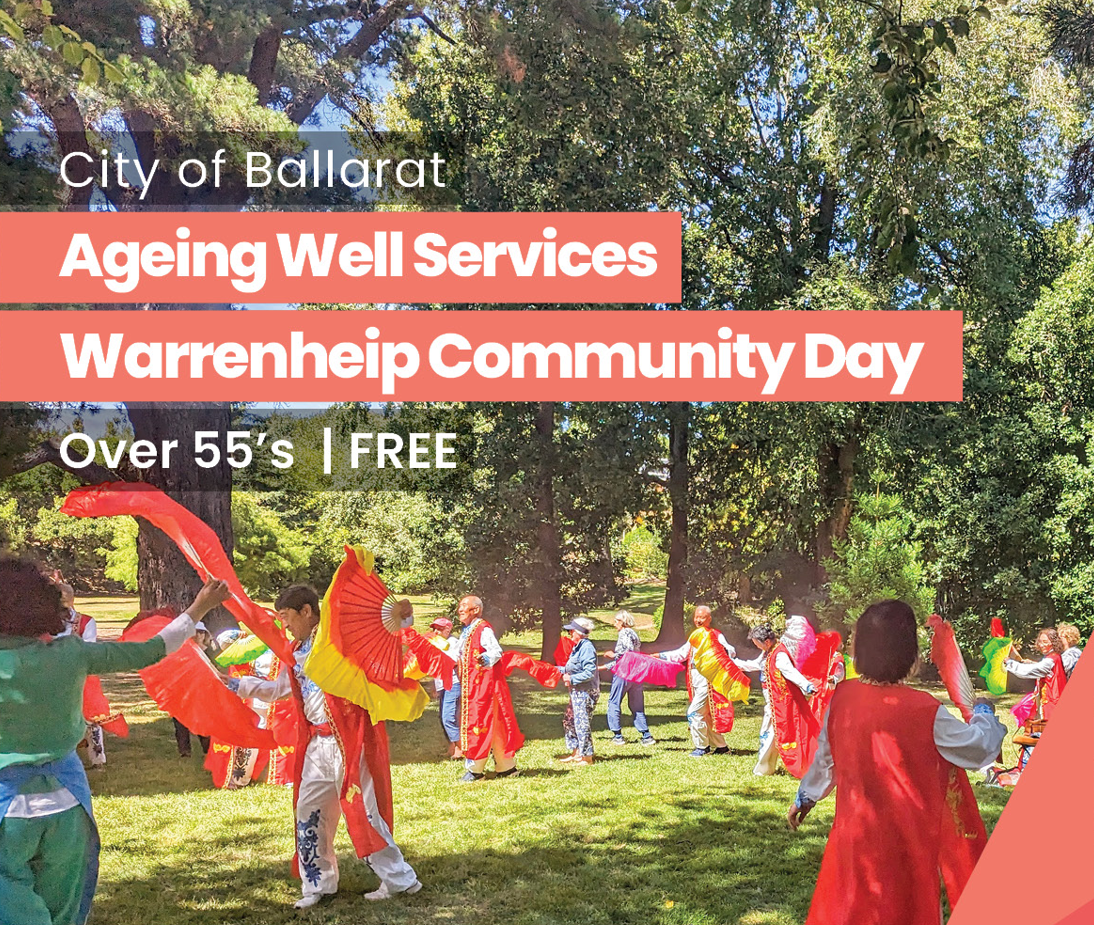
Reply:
x=646, y=835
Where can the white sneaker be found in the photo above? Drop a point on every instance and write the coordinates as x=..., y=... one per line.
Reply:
x=384, y=893
x=311, y=899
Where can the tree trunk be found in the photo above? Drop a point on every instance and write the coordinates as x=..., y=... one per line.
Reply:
x=164, y=577
x=549, y=550
x=836, y=470
x=672, y=622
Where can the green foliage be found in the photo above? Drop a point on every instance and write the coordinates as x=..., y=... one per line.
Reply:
x=269, y=554
x=418, y=546
x=644, y=555
x=878, y=560
x=121, y=556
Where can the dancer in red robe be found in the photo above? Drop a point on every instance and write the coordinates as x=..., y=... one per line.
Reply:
x=1048, y=671
x=789, y=730
x=342, y=768
x=488, y=725
x=906, y=818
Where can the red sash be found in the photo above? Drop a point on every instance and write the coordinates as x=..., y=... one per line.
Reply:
x=485, y=702
x=796, y=728
x=1051, y=689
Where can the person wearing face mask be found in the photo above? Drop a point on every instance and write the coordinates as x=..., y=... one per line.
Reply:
x=1048, y=671
x=711, y=674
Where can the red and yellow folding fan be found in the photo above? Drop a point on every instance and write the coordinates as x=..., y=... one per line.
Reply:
x=358, y=650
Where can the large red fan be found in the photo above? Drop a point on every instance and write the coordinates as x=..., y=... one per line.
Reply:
x=365, y=621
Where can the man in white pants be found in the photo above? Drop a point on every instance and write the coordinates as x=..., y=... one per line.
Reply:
x=322, y=793
x=702, y=653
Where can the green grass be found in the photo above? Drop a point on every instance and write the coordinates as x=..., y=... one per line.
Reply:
x=646, y=835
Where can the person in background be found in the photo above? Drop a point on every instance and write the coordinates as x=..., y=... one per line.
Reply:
x=583, y=680
x=1069, y=636
x=84, y=626
x=448, y=701
x=488, y=724
x=1048, y=671
x=706, y=653
x=789, y=728
x=626, y=641
x=906, y=818
x=48, y=842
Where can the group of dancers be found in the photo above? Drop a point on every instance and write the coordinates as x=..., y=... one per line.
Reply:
x=890, y=752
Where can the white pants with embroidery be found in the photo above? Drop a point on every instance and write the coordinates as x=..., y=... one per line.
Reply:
x=317, y=813
x=503, y=760
x=700, y=721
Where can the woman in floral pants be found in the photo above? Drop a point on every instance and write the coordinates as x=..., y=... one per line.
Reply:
x=581, y=677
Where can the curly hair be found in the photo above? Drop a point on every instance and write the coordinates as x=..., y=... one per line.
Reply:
x=1069, y=633
x=1053, y=638
x=34, y=607
x=625, y=617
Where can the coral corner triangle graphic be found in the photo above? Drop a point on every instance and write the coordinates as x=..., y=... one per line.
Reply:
x=1049, y=818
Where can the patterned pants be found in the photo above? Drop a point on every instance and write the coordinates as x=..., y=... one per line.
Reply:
x=317, y=813
x=576, y=725
x=96, y=747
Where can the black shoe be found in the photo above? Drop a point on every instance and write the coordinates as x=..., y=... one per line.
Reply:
x=512, y=772
x=724, y=750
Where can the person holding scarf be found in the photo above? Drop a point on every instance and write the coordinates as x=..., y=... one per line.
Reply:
x=583, y=680
x=49, y=846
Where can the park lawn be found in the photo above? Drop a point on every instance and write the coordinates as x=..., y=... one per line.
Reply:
x=646, y=835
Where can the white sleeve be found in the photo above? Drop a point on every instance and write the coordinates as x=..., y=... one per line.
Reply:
x=678, y=656
x=177, y=632
x=788, y=671
x=91, y=632
x=1030, y=670
x=820, y=778
x=725, y=645
x=971, y=745
x=269, y=690
x=751, y=664
x=490, y=647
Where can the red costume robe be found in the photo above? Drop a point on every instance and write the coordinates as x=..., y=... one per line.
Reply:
x=96, y=706
x=358, y=740
x=796, y=727
x=485, y=702
x=904, y=815
x=1051, y=689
